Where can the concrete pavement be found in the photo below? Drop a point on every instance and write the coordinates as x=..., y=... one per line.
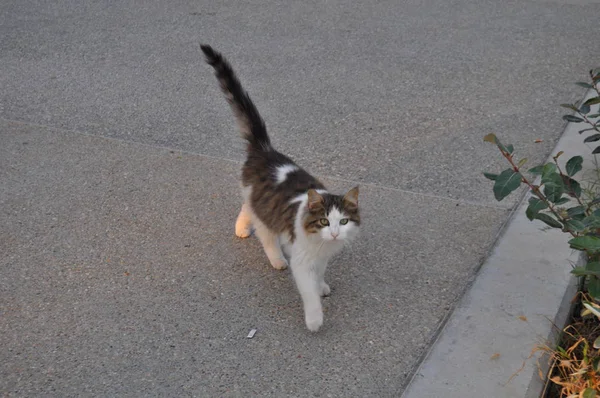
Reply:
x=120, y=273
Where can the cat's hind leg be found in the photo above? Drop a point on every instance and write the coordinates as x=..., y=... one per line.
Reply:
x=243, y=224
x=270, y=242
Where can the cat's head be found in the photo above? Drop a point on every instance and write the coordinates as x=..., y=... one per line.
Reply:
x=332, y=217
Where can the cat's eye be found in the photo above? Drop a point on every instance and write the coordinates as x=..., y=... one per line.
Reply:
x=344, y=221
x=324, y=222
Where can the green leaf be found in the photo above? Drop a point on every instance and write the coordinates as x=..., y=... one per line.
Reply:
x=592, y=138
x=571, y=118
x=537, y=170
x=595, y=115
x=579, y=271
x=575, y=211
x=585, y=109
x=569, y=106
x=490, y=176
x=522, y=162
x=510, y=148
x=589, y=393
x=574, y=225
x=535, y=206
x=494, y=140
x=592, y=221
x=583, y=84
x=548, y=220
x=594, y=287
x=548, y=171
x=583, y=271
x=597, y=150
x=562, y=201
x=553, y=193
x=592, y=101
x=574, y=164
x=491, y=138
x=579, y=217
x=591, y=244
x=593, y=266
x=571, y=186
x=554, y=188
x=506, y=182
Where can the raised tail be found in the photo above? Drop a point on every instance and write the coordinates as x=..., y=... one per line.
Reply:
x=252, y=126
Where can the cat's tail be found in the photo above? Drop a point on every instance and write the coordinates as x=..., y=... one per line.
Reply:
x=252, y=126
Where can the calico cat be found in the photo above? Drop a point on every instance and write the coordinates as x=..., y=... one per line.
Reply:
x=288, y=208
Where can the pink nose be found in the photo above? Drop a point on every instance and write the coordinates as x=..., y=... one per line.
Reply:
x=335, y=234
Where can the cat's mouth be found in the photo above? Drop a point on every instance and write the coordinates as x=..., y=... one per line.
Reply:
x=334, y=240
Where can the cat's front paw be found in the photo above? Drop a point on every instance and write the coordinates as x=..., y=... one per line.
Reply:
x=325, y=290
x=314, y=320
x=243, y=232
x=279, y=263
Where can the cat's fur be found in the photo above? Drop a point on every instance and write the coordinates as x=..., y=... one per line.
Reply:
x=286, y=206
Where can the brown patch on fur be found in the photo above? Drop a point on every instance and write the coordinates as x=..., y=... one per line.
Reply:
x=270, y=201
x=312, y=220
x=314, y=199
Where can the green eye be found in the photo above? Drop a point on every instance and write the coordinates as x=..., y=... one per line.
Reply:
x=344, y=221
x=324, y=221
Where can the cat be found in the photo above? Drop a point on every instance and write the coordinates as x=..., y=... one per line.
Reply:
x=289, y=209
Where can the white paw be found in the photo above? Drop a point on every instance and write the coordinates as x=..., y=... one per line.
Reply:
x=325, y=290
x=243, y=232
x=314, y=320
x=279, y=263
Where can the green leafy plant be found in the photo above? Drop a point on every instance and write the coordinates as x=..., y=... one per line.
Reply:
x=583, y=110
x=557, y=198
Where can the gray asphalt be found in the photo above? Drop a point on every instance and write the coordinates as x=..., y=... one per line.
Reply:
x=119, y=270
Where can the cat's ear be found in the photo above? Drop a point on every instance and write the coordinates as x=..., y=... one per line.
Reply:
x=314, y=200
x=351, y=198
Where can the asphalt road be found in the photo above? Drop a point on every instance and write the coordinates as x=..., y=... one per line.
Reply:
x=120, y=274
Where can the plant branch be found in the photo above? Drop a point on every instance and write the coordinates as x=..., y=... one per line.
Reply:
x=588, y=121
x=563, y=175
x=535, y=189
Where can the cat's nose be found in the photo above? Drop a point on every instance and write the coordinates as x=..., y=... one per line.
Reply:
x=335, y=234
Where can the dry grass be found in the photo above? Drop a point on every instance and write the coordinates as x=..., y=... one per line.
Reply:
x=575, y=371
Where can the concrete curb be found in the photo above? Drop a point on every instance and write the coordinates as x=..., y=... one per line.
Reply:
x=522, y=290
